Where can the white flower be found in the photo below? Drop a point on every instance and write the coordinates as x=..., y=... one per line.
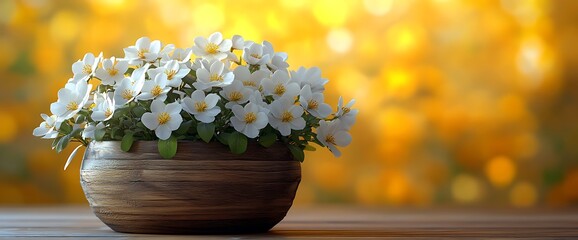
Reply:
x=279, y=86
x=204, y=108
x=200, y=63
x=278, y=60
x=345, y=113
x=163, y=119
x=90, y=130
x=238, y=42
x=172, y=72
x=143, y=50
x=49, y=128
x=218, y=75
x=112, y=71
x=166, y=50
x=332, y=134
x=257, y=98
x=104, y=107
x=255, y=55
x=249, y=119
x=86, y=67
x=155, y=89
x=285, y=115
x=236, y=93
x=311, y=77
x=251, y=80
x=213, y=48
x=130, y=87
x=71, y=99
x=182, y=56
x=313, y=103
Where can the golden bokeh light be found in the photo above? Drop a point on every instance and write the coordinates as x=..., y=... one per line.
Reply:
x=500, y=171
x=461, y=102
x=466, y=189
x=523, y=194
x=8, y=127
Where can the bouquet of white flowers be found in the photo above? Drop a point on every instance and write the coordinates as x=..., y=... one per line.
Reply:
x=233, y=92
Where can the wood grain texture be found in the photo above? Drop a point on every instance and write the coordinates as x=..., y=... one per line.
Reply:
x=203, y=189
x=321, y=222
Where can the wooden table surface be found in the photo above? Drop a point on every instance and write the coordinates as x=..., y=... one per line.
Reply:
x=320, y=222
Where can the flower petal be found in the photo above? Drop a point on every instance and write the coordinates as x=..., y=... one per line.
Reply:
x=342, y=138
x=174, y=108
x=175, y=122
x=150, y=120
x=157, y=106
x=163, y=132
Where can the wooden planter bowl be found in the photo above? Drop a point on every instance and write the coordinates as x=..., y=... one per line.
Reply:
x=204, y=189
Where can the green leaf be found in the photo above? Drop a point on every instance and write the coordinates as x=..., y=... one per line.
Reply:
x=297, y=152
x=55, y=142
x=80, y=119
x=206, y=131
x=62, y=143
x=237, y=143
x=188, y=91
x=224, y=138
x=309, y=148
x=268, y=139
x=139, y=111
x=119, y=113
x=65, y=128
x=184, y=127
x=127, y=142
x=168, y=148
x=99, y=134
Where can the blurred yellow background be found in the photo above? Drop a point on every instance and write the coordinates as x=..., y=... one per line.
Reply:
x=461, y=102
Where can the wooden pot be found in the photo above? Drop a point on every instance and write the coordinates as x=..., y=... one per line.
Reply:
x=204, y=189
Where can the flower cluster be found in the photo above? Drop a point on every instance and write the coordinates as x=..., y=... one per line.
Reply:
x=231, y=91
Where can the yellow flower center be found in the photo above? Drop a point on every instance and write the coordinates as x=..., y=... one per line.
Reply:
x=235, y=96
x=330, y=139
x=256, y=56
x=212, y=48
x=312, y=104
x=112, y=72
x=250, y=117
x=156, y=91
x=164, y=118
x=216, y=77
x=201, y=106
x=345, y=110
x=249, y=84
x=87, y=69
x=72, y=106
x=170, y=74
x=141, y=53
x=107, y=113
x=279, y=89
x=286, y=117
x=127, y=94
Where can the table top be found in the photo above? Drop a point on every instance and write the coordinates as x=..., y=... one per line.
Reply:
x=342, y=222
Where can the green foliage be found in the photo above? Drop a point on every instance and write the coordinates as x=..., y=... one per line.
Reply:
x=127, y=142
x=168, y=148
x=237, y=143
x=268, y=139
x=297, y=152
x=224, y=138
x=206, y=131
